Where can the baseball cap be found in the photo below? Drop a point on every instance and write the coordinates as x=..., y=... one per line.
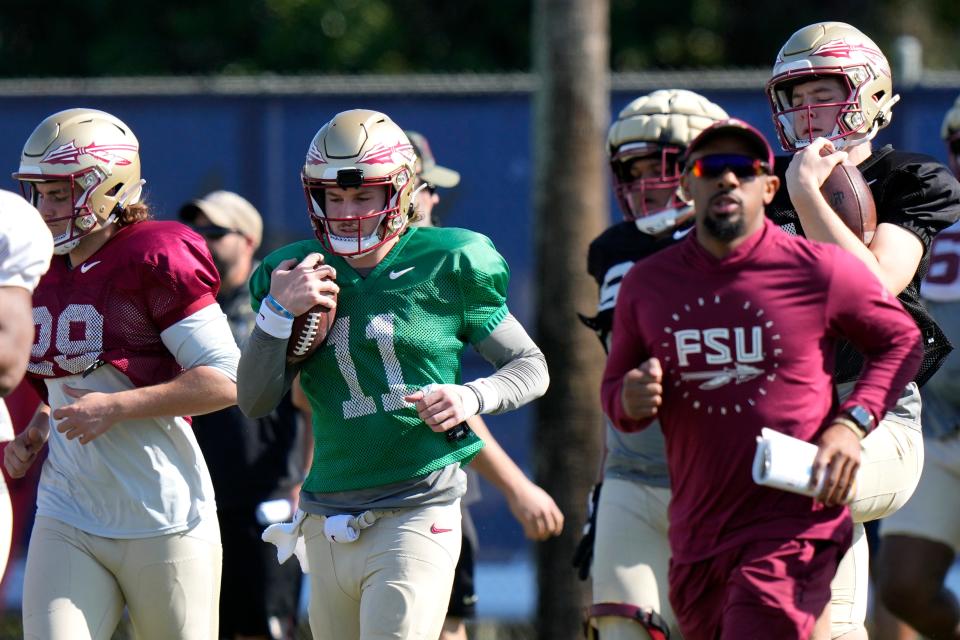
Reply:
x=734, y=127
x=227, y=210
x=427, y=169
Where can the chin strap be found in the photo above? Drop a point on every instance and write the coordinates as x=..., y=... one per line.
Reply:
x=845, y=144
x=131, y=193
x=423, y=185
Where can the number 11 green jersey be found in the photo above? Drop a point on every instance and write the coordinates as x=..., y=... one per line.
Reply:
x=403, y=326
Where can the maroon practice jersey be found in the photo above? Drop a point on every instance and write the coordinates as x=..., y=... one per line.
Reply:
x=745, y=342
x=112, y=308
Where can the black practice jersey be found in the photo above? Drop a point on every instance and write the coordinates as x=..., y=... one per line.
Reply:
x=609, y=258
x=912, y=191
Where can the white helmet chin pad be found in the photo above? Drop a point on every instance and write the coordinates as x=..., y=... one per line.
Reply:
x=351, y=246
x=662, y=221
x=65, y=248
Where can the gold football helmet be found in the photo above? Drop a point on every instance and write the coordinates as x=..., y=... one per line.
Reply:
x=659, y=125
x=100, y=158
x=360, y=148
x=950, y=132
x=838, y=50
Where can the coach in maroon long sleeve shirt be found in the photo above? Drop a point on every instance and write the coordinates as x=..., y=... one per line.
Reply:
x=729, y=331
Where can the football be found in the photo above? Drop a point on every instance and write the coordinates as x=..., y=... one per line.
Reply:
x=309, y=332
x=848, y=194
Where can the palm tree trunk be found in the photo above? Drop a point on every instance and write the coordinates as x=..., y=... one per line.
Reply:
x=571, y=113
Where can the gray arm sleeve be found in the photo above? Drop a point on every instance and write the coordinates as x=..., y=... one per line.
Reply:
x=521, y=374
x=263, y=376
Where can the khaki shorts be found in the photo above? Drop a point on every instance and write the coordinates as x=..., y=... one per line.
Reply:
x=77, y=584
x=394, y=581
x=932, y=512
x=631, y=555
x=849, y=589
x=890, y=466
x=6, y=524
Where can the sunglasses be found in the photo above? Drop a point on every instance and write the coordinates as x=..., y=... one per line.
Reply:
x=954, y=145
x=716, y=165
x=213, y=232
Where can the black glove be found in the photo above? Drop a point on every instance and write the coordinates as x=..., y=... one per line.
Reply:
x=583, y=555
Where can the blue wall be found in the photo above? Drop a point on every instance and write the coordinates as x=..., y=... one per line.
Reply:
x=255, y=145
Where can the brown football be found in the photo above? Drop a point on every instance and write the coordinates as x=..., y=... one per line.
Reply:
x=848, y=194
x=310, y=330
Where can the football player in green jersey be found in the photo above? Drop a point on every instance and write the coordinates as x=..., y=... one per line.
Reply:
x=380, y=507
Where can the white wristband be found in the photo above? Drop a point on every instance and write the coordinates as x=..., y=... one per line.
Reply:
x=487, y=394
x=274, y=323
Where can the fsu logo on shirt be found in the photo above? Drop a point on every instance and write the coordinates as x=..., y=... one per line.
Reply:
x=720, y=369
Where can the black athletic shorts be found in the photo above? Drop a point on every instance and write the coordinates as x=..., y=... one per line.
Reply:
x=258, y=596
x=463, y=598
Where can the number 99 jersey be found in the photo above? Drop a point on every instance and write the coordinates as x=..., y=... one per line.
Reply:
x=113, y=307
x=405, y=325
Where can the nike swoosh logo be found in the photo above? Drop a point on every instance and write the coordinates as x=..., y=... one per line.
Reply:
x=396, y=274
x=435, y=529
x=88, y=265
x=677, y=235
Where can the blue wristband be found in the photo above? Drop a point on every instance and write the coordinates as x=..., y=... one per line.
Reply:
x=276, y=307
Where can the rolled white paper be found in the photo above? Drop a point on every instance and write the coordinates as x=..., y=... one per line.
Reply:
x=786, y=463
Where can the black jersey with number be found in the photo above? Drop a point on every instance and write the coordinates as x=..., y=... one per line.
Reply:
x=609, y=258
x=912, y=191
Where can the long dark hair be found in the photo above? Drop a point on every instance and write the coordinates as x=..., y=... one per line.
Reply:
x=133, y=213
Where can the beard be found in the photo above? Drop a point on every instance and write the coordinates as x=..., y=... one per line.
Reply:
x=725, y=229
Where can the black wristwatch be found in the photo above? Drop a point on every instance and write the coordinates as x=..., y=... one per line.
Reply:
x=860, y=416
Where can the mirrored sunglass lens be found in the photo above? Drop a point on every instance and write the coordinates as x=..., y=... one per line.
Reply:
x=713, y=166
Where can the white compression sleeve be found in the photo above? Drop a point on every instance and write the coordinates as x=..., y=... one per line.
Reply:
x=204, y=339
